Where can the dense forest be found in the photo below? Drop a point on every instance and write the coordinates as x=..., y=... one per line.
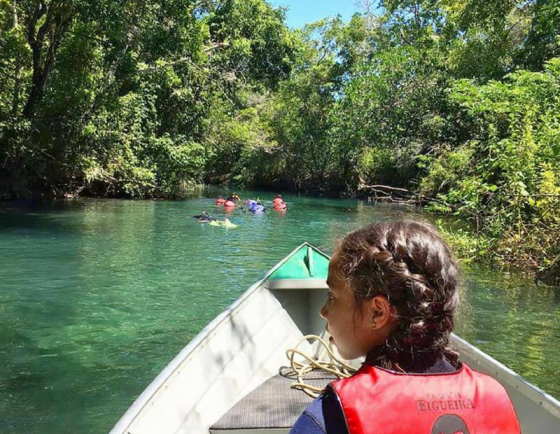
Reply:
x=455, y=102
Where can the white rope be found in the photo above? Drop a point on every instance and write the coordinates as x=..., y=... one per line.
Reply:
x=332, y=365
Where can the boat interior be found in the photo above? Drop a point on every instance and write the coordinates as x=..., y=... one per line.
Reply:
x=274, y=406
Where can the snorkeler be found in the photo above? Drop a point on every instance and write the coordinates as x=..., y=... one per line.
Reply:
x=204, y=217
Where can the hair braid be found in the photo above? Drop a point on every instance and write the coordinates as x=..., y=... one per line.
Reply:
x=410, y=264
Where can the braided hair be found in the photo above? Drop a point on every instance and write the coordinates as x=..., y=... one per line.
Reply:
x=411, y=265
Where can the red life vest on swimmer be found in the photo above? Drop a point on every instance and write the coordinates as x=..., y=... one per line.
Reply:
x=377, y=401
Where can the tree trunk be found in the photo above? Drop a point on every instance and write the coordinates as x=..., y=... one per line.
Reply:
x=50, y=35
x=17, y=72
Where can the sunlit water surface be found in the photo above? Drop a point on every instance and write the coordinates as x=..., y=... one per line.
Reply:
x=97, y=296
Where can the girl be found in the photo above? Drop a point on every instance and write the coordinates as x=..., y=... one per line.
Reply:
x=392, y=298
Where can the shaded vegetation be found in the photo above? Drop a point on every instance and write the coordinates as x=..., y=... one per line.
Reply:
x=121, y=99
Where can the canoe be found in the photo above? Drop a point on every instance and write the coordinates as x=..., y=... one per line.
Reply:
x=227, y=378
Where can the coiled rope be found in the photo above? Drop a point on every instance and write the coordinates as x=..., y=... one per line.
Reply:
x=331, y=364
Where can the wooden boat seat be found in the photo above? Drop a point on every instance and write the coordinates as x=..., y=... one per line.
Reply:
x=271, y=407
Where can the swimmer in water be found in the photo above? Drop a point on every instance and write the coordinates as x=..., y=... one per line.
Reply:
x=204, y=217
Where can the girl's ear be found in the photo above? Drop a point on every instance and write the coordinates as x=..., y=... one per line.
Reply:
x=381, y=311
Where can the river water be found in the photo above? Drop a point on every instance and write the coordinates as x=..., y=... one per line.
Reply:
x=97, y=296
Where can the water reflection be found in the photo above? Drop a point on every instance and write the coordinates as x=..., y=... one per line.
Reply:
x=516, y=322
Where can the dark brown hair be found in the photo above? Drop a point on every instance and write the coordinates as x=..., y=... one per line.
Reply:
x=409, y=263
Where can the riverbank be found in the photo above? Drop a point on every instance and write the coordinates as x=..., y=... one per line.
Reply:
x=506, y=236
x=529, y=252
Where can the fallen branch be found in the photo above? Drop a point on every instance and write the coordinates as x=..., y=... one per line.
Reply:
x=385, y=187
x=392, y=194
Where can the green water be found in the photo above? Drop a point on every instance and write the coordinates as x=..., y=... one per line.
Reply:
x=96, y=297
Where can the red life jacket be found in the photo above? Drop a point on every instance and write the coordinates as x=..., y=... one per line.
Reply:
x=377, y=401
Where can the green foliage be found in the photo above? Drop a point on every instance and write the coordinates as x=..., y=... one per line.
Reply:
x=115, y=98
x=296, y=118
x=378, y=164
x=543, y=41
x=467, y=247
x=301, y=126
x=239, y=142
x=506, y=178
x=257, y=44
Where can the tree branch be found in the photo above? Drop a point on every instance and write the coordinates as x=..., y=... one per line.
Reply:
x=392, y=193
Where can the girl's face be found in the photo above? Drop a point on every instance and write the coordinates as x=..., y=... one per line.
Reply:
x=349, y=325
